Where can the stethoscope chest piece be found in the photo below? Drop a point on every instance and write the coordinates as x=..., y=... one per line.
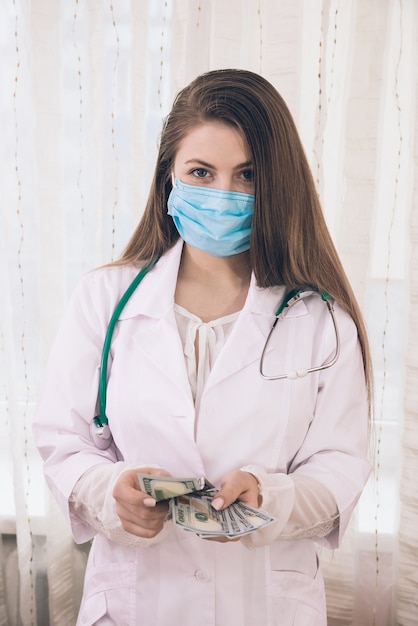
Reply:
x=100, y=434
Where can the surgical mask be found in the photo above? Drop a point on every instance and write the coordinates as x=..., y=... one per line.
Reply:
x=213, y=220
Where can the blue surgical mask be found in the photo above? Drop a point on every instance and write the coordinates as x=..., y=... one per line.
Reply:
x=213, y=220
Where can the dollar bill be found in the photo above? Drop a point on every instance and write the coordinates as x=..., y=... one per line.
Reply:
x=167, y=487
x=194, y=513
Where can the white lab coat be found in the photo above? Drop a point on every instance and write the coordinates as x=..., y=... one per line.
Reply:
x=316, y=425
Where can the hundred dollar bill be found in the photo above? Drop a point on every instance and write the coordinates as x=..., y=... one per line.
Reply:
x=195, y=514
x=248, y=518
x=167, y=487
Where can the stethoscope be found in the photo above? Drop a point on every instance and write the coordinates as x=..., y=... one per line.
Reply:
x=291, y=299
x=99, y=426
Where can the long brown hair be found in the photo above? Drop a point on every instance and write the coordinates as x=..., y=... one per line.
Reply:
x=290, y=242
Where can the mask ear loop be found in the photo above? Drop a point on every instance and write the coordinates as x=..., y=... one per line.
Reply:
x=99, y=426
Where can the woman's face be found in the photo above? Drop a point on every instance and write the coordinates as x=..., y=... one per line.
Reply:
x=215, y=155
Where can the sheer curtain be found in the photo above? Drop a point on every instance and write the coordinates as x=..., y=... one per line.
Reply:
x=84, y=86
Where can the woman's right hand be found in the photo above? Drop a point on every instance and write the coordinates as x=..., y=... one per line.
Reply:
x=139, y=513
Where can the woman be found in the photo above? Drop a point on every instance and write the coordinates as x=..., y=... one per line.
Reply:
x=235, y=223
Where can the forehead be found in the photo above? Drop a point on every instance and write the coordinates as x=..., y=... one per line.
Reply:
x=214, y=138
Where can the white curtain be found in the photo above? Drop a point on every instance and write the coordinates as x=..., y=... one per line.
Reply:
x=84, y=86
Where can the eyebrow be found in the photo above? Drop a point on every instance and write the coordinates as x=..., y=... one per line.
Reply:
x=209, y=166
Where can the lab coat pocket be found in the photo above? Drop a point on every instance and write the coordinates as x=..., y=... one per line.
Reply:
x=295, y=588
x=109, y=596
x=289, y=612
x=93, y=608
x=294, y=556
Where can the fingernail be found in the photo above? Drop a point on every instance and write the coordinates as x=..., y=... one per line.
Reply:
x=149, y=502
x=217, y=503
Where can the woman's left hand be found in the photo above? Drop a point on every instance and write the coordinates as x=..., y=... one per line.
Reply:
x=236, y=485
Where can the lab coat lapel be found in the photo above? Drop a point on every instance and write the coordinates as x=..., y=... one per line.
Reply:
x=248, y=337
x=157, y=336
x=162, y=346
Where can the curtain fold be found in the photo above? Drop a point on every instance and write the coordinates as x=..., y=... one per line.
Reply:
x=407, y=570
x=84, y=88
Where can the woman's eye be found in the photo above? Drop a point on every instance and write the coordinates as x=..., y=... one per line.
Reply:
x=248, y=175
x=199, y=172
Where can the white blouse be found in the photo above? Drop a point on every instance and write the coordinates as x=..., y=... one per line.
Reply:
x=202, y=343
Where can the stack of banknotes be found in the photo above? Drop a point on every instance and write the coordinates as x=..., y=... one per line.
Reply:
x=190, y=507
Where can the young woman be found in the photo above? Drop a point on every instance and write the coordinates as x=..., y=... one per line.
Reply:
x=232, y=225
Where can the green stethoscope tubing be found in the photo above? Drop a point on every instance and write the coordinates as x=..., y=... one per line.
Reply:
x=292, y=297
x=101, y=419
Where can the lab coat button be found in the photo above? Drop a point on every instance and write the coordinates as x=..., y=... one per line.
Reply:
x=201, y=576
x=210, y=410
